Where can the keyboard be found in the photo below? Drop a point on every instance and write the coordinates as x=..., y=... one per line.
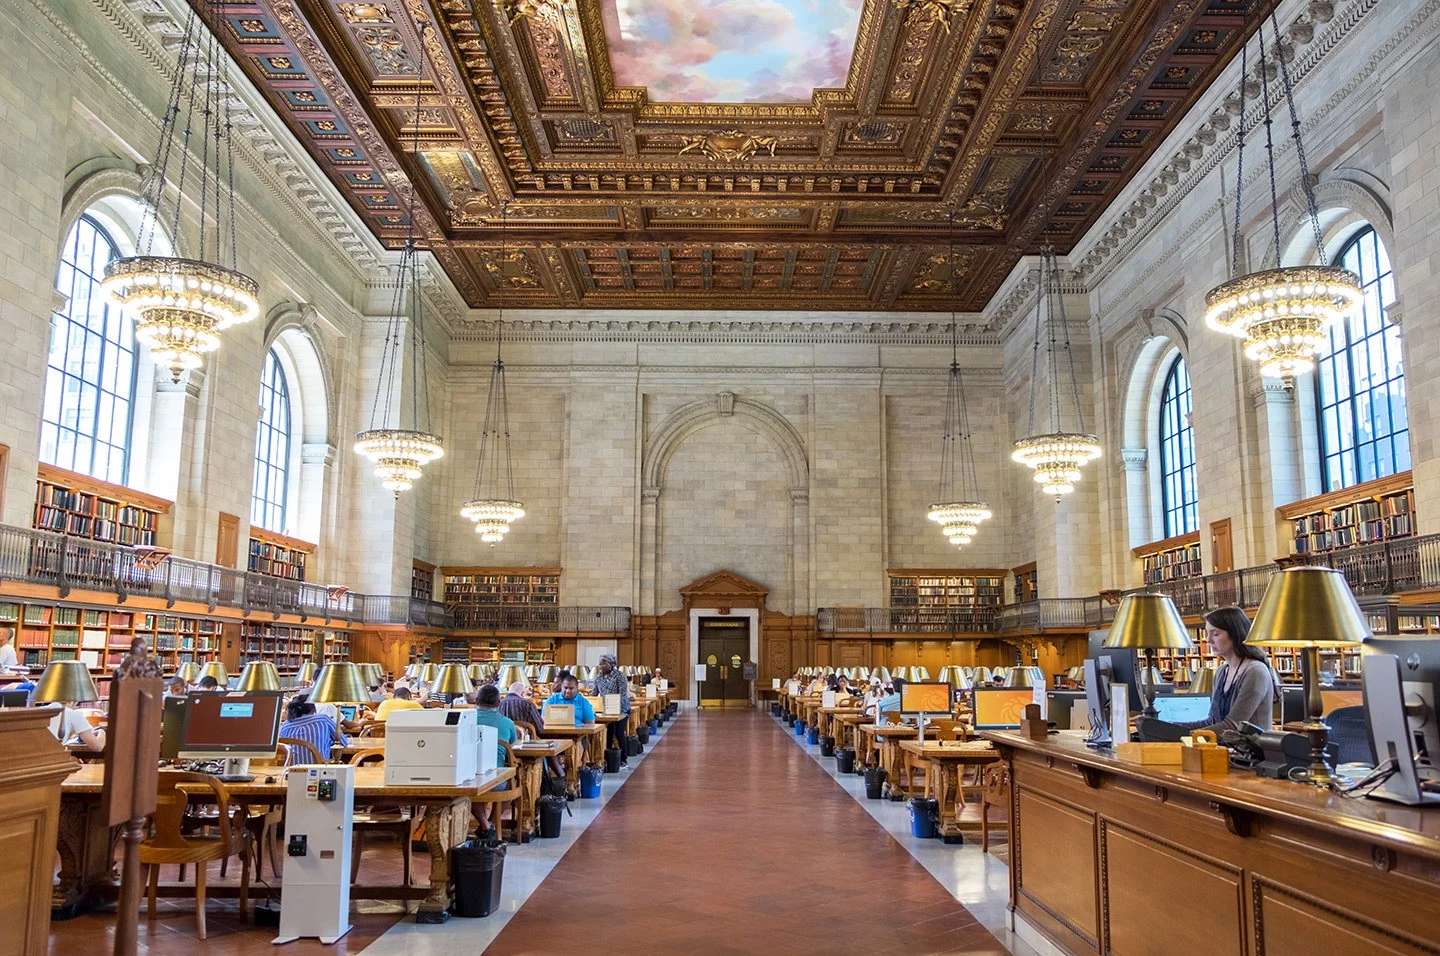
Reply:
x=235, y=777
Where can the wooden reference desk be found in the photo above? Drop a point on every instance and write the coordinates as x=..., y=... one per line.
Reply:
x=886, y=740
x=591, y=736
x=948, y=759
x=531, y=756
x=1108, y=856
x=87, y=845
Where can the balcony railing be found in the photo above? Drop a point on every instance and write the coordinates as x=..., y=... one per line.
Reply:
x=556, y=620
x=907, y=620
x=42, y=557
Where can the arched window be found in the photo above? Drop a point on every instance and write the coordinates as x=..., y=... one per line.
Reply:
x=90, y=378
x=1364, y=427
x=272, y=449
x=1177, y=453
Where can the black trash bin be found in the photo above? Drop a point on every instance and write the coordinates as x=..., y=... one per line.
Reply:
x=874, y=783
x=478, y=867
x=775, y=708
x=643, y=732
x=612, y=760
x=827, y=746
x=632, y=746
x=549, y=808
x=845, y=760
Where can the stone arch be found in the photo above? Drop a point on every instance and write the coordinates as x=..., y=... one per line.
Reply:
x=114, y=193
x=298, y=324
x=672, y=433
x=1347, y=203
x=1160, y=338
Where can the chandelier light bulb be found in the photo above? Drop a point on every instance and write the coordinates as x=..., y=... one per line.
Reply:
x=1283, y=315
x=400, y=455
x=1056, y=459
x=492, y=517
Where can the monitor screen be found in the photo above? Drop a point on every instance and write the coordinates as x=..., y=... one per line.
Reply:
x=925, y=698
x=1183, y=708
x=231, y=723
x=14, y=698
x=1000, y=708
x=348, y=712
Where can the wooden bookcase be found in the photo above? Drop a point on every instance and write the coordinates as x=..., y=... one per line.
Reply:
x=1194, y=658
x=1377, y=510
x=1171, y=559
x=277, y=555
x=472, y=594
x=1027, y=583
x=422, y=581
x=287, y=646
x=101, y=637
x=458, y=650
x=83, y=507
x=946, y=587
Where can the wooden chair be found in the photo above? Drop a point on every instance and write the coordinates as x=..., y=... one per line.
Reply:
x=996, y=793
x=372, y=728
x=499, y=800
x=168, y=843
x=398, y=821
x=302, y=751
x=527, y=730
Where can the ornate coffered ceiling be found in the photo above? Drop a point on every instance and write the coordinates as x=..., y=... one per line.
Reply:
x=1029, y=116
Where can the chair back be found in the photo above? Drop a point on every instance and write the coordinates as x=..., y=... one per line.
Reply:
x=167, y=823
x=945, y=729
x=362, y=757
x=891, y=717
x=372, y=728
x=303, y=751
x=510, y=760
x=1349, y=731
x=527, y=729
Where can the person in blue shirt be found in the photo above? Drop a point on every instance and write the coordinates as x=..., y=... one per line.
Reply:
x=487, y=698
x=889, y=704
x=569, y=693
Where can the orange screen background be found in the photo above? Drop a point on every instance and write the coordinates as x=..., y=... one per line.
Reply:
x=1001, y=707
x=925, y=698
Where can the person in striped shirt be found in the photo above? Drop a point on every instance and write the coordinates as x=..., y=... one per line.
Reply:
x=304, y=724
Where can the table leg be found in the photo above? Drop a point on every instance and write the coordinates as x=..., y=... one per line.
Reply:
x=86, y=847
x=572, y=769
x=529, y=782
x=446, y=825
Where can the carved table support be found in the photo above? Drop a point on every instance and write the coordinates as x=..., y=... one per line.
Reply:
x=87, y=856
x=446, y=826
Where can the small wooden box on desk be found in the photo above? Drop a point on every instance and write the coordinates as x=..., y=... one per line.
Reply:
x=1102, y=850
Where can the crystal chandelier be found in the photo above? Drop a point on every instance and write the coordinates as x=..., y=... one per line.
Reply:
x=494, y=515
x=1055, y=457
x=956, y=510
x=179, y=306
x=401, y=454
x=1283, y=314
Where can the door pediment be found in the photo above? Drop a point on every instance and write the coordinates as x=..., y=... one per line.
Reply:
x=724, y=589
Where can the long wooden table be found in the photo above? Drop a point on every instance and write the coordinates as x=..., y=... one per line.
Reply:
x=1111, y=856
x=531, y=756
x=87, y=845
x=886, y=740
x=948, y=759
x=590, y=736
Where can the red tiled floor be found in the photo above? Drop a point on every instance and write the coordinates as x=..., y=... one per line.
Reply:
x=730, y=839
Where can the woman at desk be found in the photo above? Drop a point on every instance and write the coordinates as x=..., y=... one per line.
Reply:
x=70, y=724
x=1244, y=685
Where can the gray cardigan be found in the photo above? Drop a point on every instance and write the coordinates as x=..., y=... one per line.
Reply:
x=1253, y=701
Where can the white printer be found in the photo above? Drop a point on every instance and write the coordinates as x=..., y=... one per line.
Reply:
x=433, y=746
x=487, y=760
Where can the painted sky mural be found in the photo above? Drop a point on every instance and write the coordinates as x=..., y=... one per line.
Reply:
x=731, y=51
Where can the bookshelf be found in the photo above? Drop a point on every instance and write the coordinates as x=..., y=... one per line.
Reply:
x=287, y=646
x=459, y=650
x=422, y=581
x=471, y=592
x=924, y=598
x=1027, y=583
x=101, y=637
x=83, y=507
x=1170, y=559
x=277, y=555
x=1378, y=510
x=1169, y=660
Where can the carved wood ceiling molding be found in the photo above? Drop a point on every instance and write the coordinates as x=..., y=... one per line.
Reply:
x=1027, y=117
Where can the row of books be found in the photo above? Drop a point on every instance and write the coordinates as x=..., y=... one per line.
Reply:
x=1174, y=565
x=1382, y=529
x=55, y=496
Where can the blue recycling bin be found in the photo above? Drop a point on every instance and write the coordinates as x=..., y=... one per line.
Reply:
x=812, y=735
x=589, y=783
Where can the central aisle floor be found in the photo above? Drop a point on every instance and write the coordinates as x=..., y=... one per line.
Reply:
x=731, y=839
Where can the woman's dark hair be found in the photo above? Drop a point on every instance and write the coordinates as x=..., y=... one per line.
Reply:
x=299, y=707
x=832, y=683
x=1235, y=623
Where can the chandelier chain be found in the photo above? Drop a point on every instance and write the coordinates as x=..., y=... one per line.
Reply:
x=1069, y=353
x=152, y=191
x=1306, y=185
x=1269, y=146
x=1239, y=165
x=1035, y=347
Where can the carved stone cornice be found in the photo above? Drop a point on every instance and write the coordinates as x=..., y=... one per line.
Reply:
x=723, y=332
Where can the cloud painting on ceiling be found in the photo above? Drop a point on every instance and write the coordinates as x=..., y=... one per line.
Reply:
x=731, y=51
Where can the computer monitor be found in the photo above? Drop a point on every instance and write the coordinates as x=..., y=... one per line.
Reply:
x=14, y=698
x=231, y=725
x=1000, y=708
x=1058, y=704
x=172, y=726
x=348, y=712
x=1397, y=745
x=1123, y=670
x=1182, y=708
x=1419, y=659
x=925, y=697
x=1097, y=700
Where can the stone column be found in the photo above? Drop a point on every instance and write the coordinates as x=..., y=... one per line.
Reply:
x=649, y=543
x=799, y=551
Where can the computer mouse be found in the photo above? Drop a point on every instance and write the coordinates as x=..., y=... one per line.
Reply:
x=269, y=779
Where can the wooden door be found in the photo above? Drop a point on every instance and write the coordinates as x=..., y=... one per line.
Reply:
x=724, y=648
x=1222, y=550
x=227, y=541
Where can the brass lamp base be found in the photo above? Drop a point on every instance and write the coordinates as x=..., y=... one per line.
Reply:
x=1318, y=773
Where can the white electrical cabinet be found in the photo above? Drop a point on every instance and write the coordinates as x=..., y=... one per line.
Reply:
x=431, y=746
x=315, y=890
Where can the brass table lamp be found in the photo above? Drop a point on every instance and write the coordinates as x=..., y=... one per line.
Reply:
x=339, y=683
x=305, y=674
x=510, y=674
x=259, y=675
x=452, y=681
x=216, y=669
x=1018, y=678
x=1310, y=608
x=1147, y=623
x=476, y=672
x=428, y=673
x=64, y=682
x=189, y=672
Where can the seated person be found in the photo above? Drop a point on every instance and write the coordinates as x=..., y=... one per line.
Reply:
x=1245, y=687
x=304, y=724
x=208, y=683
x=569, y=693
x=176, y=687
x=890, y=703
x=487, y=698
x=517, y=705
x=377, y=694
x=401, y=701
x=70, y=723
x=842, y=686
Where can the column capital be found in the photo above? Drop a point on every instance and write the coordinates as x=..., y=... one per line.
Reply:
x=650, y=495
x=1273, y=391
x=1134, y=459
x=800, y=496
x=317, y=453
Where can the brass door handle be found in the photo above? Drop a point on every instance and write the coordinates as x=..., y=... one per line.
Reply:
x=724, y=673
